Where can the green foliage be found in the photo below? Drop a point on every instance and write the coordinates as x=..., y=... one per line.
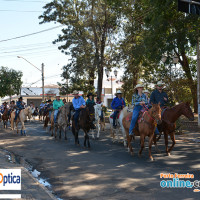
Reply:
x=10, y=82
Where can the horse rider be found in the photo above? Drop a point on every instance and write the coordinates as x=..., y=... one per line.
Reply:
x=90, y=104
x=139, y=100
x=158, y=95
x=42, y=105
x=147, y=93
x=19, y=107
x=11, y=107
x=78, y=104
x=49, y=108
x=64, y=101
x=56, y=105
x=117, y=104
x=3, y=107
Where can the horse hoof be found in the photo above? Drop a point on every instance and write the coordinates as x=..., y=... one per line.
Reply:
x=151, y=159
x=65, y=138
x=168, y=154
x=132, y=154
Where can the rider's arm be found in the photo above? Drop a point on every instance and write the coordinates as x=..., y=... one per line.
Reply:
x=166, y=96
x=82, y=101
x=113, y=104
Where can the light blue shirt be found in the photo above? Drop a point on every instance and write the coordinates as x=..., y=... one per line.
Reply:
x=77, y=103
x=136, y=99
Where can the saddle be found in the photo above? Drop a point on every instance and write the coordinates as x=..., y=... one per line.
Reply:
x=117, y=115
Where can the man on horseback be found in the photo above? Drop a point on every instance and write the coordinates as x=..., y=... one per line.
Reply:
x=158, y=95
x=19, y=107
x=56, y=105
x=117, y=104
x=11, y=107
x=90, y=104
x=139, y=100
x=78, y=104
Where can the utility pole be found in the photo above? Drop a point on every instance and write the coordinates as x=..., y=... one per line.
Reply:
x=198, y=79
x=42, y=81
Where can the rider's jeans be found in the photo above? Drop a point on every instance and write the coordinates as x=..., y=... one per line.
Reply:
x=135, y=115
x=16, y=114
x=76, y=115
x=55, y=115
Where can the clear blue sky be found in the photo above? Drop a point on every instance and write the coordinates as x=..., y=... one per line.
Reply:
x=20, y=17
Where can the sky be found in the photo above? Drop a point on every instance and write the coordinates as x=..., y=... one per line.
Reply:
x=18, y=18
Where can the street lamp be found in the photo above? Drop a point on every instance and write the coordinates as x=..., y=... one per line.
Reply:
x=107, y=74
x=41, y=70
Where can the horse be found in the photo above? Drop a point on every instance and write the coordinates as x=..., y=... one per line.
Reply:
x=5, y=118
x=21, y=118
x=144, y=127
x=62, y=121
x=84, y=123
x=169, y=118
x=124, y=112
x=41, y=114
x=97, y=115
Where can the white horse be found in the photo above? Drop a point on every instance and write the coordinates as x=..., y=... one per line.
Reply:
x=119, y=124
x=97, y=113
x=27, y=112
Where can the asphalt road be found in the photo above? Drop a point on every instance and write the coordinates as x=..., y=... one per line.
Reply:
x=107, y=170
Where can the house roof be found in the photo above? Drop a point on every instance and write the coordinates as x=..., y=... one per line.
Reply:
x=35, y=91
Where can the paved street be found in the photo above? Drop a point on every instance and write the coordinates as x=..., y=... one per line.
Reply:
x=106, y=171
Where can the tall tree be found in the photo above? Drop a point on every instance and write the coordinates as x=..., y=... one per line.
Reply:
x=10, y=82
x=86, y=35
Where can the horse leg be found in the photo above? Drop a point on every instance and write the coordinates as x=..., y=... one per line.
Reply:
x=88, y=140
x=65, y=130
x=155, y=143
x=150, y=144
x=56, y=128
x=98, y=129
x=60, y=133
x=172, y=136
x=129, y=138
x=141, y=144
x=166, y=142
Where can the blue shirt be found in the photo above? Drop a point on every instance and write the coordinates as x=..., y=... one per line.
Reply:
x=136, y=99
x=117, y=103
x=77, y=103
x=19, y=105
x=157, y=97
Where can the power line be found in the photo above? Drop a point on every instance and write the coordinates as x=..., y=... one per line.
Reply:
x=49, y=29
x=29, y=11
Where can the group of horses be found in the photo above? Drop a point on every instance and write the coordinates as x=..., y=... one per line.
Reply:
x=148, y=120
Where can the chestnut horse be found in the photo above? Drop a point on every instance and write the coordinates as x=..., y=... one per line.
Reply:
x=169, y=118
x=144, y=127
x=5, y=118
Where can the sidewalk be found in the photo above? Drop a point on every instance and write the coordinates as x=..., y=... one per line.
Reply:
x=31, y=188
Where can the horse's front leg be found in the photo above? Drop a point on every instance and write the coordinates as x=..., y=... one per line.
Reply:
x=172, y=136
x=60, y=129
x=65, y=130
x=155, y=143
x=129, y=139
x=141, y=144
x=150, y=144
x=166, y=142
x=98, y=129
x=86, y=139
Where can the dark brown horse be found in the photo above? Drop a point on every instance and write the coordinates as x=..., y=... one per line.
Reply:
x=84, y=123
x=169, y=118
x=5, y=118
x=144, y=127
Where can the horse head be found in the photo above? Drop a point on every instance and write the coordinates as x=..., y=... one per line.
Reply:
x=155, y=112
x=29, y=111
x=187, y=111
x=98, y=109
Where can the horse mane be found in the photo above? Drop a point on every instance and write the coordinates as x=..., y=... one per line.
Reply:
x=176, y=106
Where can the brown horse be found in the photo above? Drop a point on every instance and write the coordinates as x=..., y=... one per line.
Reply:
x=145, y=127
x=5, y=118
x=83, y=123
x=169, y=118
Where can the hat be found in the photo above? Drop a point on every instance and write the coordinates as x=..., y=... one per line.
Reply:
x=49, y=100
x=146, y=91
x=57, y=95
x=160, y=83
x=75, y=92
x=21, y=98
x=119, y=92
x=90, y=94
x=139, y=86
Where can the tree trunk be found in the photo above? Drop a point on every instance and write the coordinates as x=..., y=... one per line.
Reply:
x=192, y=85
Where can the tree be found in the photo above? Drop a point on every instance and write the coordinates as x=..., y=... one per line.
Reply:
x=10, y=82
x=87, y=33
